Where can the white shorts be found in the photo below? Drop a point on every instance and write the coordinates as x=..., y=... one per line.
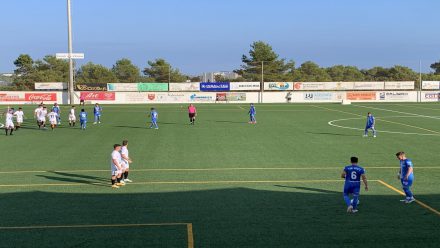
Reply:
x=72, y=118
x=53, y=122
x=116, y=172
x=19, y=120
x=125, y=165
x=42, y=119
x=9, y=124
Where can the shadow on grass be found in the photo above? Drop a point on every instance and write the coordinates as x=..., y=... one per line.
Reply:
x=230, y=217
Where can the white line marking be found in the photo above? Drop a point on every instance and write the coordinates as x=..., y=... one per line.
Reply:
x=399, y=112
x=331, y=123
x=1, y=125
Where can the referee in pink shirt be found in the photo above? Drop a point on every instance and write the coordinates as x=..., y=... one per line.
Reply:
x=192, y=112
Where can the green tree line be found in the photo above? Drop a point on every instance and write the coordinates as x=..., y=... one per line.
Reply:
x=262, y=59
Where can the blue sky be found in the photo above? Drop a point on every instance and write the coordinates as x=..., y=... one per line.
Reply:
x=211, y=35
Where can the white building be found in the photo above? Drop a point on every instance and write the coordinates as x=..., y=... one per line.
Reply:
x=210, y=76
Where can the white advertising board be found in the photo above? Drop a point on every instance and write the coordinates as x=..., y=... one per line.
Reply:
x=396, y=96
x=323, y=86
x=431, y=85
x=51, y=86
x=368, y=85
x=430, y=96
x=400, y=85
x=184, y=86
x=245, y=86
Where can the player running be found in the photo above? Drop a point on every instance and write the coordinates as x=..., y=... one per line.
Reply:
x=9, y=123
x=116, y=167
x=252, y=112
x=37, y=113
x=57, y=110
x=83, y=119
x=42, y=118
x=97, y=110
x=371, y=121
x=352, y=175
x=126, y=161
x=406, y=176
x=154, y=116
x=192, y=112
x=72, y=117
x=53, y=119
x=19, y=115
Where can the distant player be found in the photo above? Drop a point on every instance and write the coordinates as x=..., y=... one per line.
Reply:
x=57, y=110
x=126, y=161
x=97, y=110
x=192, y=112
x=83, y=119
x=406, y=176
x=82, y=101
x=116, y=167
x=9, y=122
x=252, y=114
x=371, y=121
x=53, y=119
x=72, y=117
x=352, y=175
x=37, y=113
x=19, y=115
x=42, y=117
x=154, y=116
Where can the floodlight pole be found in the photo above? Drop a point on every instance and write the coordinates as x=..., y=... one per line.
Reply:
x=69, y=31
x=262, y=81
x=420, y=79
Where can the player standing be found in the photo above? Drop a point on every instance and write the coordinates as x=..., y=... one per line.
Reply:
x=352, y=175
x=192, y=112
x=82, y=100
x=116, y=167
x=371, y=121
x=19, y=115
x=57, y=110
x=72, y=117
x=126, y=161
x=97, y=110
x=53, y=119
x=252, y=112
x=154, y=116
x=83, y=119
x=42, y=117
x=406, y=176
x=9, y=123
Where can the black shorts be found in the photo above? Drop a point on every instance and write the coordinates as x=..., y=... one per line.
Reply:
x=192, y=115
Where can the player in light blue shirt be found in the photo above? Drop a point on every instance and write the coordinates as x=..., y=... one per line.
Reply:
x=352, y=186
x=406, y=176
x=371, y=122
x=97, y=111
x=83, y=119
x=252, y=113
x=57, y=110
x=154, y=116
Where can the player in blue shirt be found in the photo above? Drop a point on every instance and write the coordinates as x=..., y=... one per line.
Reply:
x=353, y=175
x=252, y=112
x=406, y=176
x=371, y=121
x=154, y=116
x=97, y=110
x=57, y=110
x=83, y=119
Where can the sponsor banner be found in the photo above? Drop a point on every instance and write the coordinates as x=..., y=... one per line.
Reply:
x=220, y=97
x=393, y=96
x=12, y=97
x=368, y=85
x=51, y=86
x=323, y=86
x=90, y=87
x=431, y=85
x=98, y=96
x=361, y=96
x=431, y=96
x=121, y=87
x=402, y=85
x=40, y=97
x=184, y=86
x=244, y=86
x=152, y=86
x=236, y=97
x=217, y=86
x=318, y=96
x=132, y=97
x=278, y=86
x=202, y=97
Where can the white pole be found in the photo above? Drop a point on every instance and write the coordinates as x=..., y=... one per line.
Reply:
x=262, y=80
x=420, y=79
x=69, y=31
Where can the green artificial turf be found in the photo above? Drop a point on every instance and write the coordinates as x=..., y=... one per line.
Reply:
x=273, y=184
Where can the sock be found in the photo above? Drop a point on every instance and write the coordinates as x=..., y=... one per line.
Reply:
x=6, y=130
x=11, y=130
x=126, y=175
x=408, y=193
x=355, y=201
x=347, y=200
x=113, y=181
x=118, y=179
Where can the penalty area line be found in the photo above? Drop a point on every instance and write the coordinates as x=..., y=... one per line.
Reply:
x=424, y=205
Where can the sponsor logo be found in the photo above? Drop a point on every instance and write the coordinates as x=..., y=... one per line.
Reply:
x=151, y=97
x=103, y=96
x=361, y=95
x=40, y=97
x=10, y=98
x=432, y=95
x=201, y=98
x=318, y=96
x=297, y=86
x=204, y=86
x=91, y=87
x=279, y=86
x=393, y=95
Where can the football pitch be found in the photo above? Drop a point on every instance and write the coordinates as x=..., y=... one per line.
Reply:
x=222, y=182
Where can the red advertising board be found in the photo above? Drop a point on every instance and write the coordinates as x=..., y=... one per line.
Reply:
x=98, y=96
x=361, y=95
x=40, y=97
x=11, y=97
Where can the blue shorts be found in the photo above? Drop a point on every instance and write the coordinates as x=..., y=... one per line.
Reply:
x=352, y=188
x=408, y=183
